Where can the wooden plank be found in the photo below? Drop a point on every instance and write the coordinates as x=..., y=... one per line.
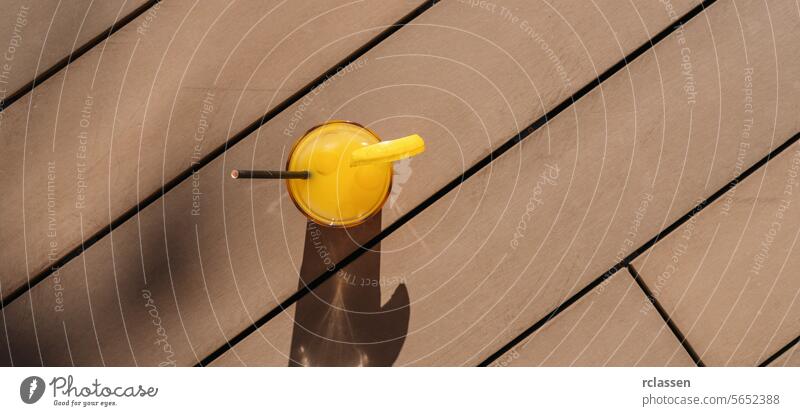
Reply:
x=452, y=76
x=147, y=104
x=269, y=346
x=345, y=324
x=484, y=263
x=730, y=277
x=41, y=33
x=790, y=358
x=612, y=326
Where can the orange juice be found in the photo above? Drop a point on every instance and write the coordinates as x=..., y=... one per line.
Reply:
x=336, y=193
x=339, y=173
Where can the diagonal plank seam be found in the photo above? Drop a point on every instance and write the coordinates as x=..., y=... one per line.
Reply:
x=453, y=184
x=665, y=316
x=780, y=352
x=238, y=137
x=74, y=55
x=647, y=245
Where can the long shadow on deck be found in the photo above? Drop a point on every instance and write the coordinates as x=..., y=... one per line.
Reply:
x=342, y=322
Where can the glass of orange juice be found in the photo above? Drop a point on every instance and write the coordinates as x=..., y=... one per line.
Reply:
x=340, y=172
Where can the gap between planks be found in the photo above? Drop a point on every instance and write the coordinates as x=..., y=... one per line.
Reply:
x=627, y=260
x=211, y=156
x=77, y=53
x=780, y=352
x=487, y=160
x=665, y=316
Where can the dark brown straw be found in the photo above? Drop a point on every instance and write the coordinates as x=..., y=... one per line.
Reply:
x=268, y=174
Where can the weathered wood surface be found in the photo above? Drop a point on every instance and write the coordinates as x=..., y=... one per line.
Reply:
x=730, y=277
x=513, y=242
x=37, y=34
x=151, y=101
x=789, y=358
x=451, y=76
x=614, y=325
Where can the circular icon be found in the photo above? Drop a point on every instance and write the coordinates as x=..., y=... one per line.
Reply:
x=31, y=389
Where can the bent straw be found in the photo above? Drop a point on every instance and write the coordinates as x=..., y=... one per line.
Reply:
x=269, y=174
x=388, y=151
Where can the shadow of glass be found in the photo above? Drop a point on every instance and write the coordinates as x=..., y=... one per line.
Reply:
x=342, y=322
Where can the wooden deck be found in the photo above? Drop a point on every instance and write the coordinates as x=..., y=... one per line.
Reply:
x=606, y=183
